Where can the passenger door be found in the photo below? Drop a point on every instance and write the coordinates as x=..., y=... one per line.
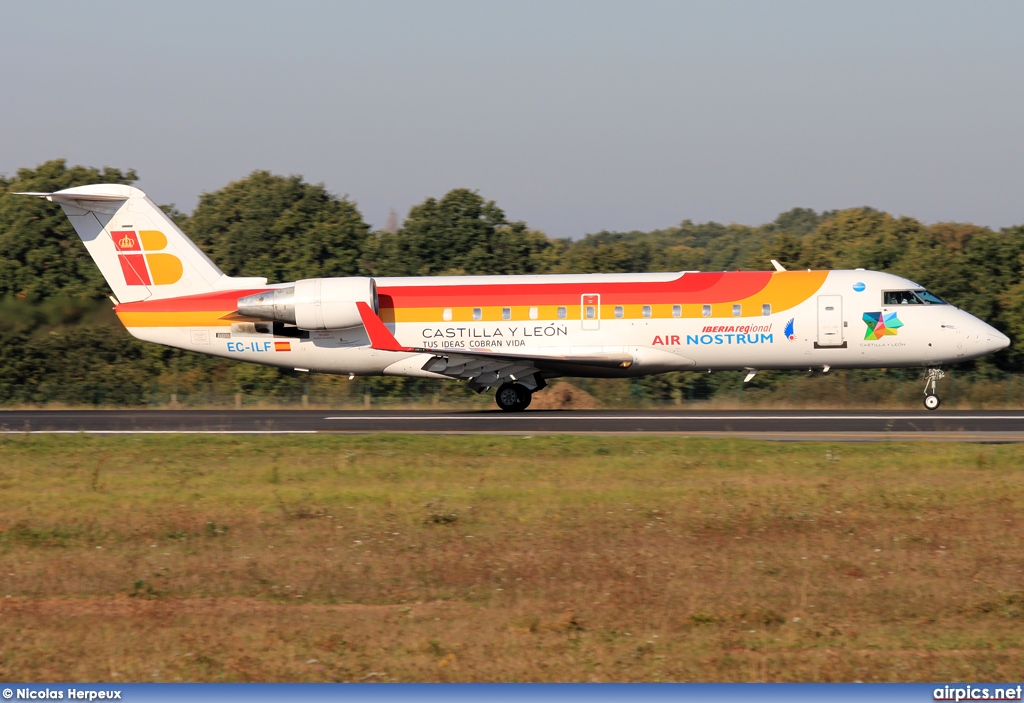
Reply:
x=830, y=321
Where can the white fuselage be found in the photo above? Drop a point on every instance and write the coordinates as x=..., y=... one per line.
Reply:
x=827, y=328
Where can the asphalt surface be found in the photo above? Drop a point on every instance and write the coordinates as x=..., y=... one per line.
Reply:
x=952, y=425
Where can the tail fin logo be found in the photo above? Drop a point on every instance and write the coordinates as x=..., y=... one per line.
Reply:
x=142, y=262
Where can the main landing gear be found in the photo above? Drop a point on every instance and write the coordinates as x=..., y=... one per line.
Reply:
x=513, y=397
x=931, y=381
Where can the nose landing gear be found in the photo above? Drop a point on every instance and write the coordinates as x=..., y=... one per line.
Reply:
x=513, y=397
x=931, y=380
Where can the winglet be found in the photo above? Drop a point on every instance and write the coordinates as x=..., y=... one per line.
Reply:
x=380, y=336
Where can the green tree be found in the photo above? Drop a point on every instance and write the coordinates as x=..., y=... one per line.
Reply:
x=785, y=248
x=798, y=222
x=279, y=227
x=460, y=234
x=860, y=238
x=607, y=252
x=689, y=247
x=40, y=253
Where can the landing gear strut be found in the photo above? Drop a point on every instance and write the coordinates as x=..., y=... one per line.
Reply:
x=513, y=397
x=931, y=381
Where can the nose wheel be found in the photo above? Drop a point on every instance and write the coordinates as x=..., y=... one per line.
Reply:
x=931, y=382
x=513, y=397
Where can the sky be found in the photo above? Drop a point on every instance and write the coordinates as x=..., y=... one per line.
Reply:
x=575, y=116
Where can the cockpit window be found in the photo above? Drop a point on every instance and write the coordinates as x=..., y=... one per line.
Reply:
x=911, y=297
x=900, y=297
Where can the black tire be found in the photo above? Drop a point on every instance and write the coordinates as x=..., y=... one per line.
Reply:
x=512, y=397
x=931, y=402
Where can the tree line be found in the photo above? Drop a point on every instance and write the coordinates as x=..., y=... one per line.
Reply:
x=62, y=344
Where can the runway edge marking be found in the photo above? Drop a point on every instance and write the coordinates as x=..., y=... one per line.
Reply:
x=159, y=431
x=597, y=418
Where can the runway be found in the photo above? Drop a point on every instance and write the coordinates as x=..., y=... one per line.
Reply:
x=788, y=425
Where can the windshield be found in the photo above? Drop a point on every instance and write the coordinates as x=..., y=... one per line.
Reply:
x=911, y=297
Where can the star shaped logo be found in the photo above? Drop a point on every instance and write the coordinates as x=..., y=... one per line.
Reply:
x=881, y=324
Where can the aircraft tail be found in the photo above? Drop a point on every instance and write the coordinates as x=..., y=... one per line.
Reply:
x=138, y=248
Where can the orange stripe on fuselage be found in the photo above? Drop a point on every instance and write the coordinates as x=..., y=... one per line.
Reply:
x=218, y=300
x=781, y=290
x=688, y=288
x=202, y=310
x=213, y=318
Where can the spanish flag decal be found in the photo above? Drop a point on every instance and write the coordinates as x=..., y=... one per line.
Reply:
x=282, y=346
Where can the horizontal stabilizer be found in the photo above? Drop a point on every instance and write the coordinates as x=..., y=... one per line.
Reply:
x=57, y=197
x=100, y=203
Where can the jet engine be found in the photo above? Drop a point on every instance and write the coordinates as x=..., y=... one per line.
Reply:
x=313, y=303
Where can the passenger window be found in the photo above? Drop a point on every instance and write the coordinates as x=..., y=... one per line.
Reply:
x=705, y=311
x=766, y=309
x=534, y=313
x=506, y=313
x=478, y=313
x=646, y=311
x=737, y=310
x=619, y=312
x=447, y=314
x=591, y=312
x=677, y=311
x=561, y=312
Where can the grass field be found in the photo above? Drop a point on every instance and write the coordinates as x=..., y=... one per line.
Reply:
x=417, y=558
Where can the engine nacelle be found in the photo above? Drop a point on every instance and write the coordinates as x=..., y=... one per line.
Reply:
x=314, y=303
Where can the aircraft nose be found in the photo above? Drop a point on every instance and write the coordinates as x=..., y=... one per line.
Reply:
x=989, y=338
x=996, y=340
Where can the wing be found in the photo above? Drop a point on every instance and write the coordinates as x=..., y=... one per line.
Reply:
x=484, y=368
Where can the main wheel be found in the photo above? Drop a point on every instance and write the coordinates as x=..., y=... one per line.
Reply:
x=931, y=401
x=513, y=397
x=529, y=399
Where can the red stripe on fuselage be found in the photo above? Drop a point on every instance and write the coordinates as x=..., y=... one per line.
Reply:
x=703, y=288
x=219, y=300
x=688, y=288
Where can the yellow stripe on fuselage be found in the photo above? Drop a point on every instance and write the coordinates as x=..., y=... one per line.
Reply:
x=203, y=318
x=782, y=292
x=545, y=313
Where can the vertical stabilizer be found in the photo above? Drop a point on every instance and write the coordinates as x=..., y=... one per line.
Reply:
x=138, y=248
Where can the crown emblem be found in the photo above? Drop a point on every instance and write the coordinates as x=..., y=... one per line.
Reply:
x=126, y=242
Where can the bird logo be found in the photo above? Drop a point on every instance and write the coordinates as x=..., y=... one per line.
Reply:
x=790, y=334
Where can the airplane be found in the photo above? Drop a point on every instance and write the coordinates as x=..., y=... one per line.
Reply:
x=514, y=333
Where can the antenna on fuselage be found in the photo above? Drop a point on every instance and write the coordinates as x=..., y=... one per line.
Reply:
x=778, y=266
